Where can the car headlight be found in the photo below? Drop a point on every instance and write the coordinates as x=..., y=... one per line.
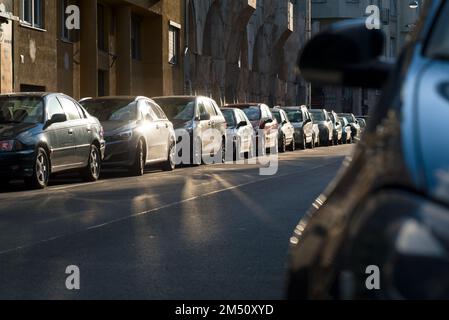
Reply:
x=407, y=238
x=10, y=145
x=122, y=136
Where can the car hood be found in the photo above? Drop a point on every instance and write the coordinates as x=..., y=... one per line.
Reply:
x=11, y=131
x=111, y=127
x=179, y=124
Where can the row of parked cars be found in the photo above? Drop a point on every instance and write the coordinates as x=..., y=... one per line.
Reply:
x=42, y=134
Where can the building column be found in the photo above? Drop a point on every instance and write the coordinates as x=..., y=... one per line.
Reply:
x=124, y=60
x=89, y=49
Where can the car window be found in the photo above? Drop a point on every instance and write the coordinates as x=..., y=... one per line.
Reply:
x=201, y=108
x=70, y=109
x=438, y=45
x=53, y=107
x=146, y=111
x=209, y=108
x=21, y=109
x=253, y=113
x=157, y=111
x=231, y=121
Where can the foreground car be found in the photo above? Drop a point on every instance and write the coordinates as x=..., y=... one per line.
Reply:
x=387, y=215
x=286, y=131
x=137, y=133
x=46, y=133
x=240, y=133
x=197, y=116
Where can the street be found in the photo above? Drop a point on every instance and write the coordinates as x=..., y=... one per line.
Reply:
x=209, y=232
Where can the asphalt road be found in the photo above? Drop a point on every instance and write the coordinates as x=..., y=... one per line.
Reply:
x=212, y=232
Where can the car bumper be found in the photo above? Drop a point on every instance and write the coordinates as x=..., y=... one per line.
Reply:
x=16, y=164
x=119, y=154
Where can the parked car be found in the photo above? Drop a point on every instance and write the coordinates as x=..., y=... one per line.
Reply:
x=384, y=223
x=362, y=124
x=321, y=117
x=240, y=133
x=346, y=136
x=286, y=131
x=355, y=127
x=197, y=115
x=316, y=132
x=137, y=133
x=47, y=133
x=338, y=128
x=300, y=118
x=263, y=122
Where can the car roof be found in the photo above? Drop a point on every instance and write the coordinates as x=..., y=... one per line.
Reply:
x=131, y=98
x=29, y=94
x=244, y=105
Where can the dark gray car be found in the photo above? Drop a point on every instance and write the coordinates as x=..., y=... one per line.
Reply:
x=137, y=132
x=46, y=133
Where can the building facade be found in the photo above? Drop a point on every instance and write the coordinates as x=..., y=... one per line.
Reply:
x=397, y=18
x=120, y=47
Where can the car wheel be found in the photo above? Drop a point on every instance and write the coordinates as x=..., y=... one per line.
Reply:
x=138, y=167
x=293, y=144
x=223, y=150
x=41, y=171
x=91, y=173
x=282, y=144
x=170, y=164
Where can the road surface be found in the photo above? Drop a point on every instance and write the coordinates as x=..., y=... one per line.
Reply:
x=209, y=232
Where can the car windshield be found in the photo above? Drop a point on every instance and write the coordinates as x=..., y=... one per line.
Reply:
x=294, y=116
x=111, y=110
x=229, y=116
x=277, y=115
x=177, y=109
x=318, y=115
x=21, y=110
x=253, y=113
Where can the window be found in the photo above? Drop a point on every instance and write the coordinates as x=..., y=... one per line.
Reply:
x=173, y=43
x=32, y=13
x=70, y=109
x=102, y=42
x=135, y=37
x=53, y=107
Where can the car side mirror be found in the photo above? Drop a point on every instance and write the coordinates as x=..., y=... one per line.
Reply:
x=56, y=118
x=205, y=117
x=242, y=124
x=308, y=121
x=347, y=54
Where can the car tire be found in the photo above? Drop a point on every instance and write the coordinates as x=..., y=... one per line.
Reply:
x=282, y=144
x=170, y=164
x=41, y=171
x=91, y=172
x=138, y=167
x=293, y=144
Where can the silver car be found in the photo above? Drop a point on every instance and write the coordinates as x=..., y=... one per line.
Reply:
x=137, y=132
x=321, y=117
x=240, y=133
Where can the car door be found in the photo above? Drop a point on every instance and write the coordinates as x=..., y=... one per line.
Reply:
x=163, y=128
x=215, y=125
x=289, y=127
x=246, y=131
x=60, y=141
x=79, y=130
x=150, y=130
x=308, y=124
x=204, y=125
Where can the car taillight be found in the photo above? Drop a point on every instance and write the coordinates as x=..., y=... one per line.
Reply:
x=6, y=145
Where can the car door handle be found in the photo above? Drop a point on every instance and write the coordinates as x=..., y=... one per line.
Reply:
x=89, y=130
x=70, y=131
